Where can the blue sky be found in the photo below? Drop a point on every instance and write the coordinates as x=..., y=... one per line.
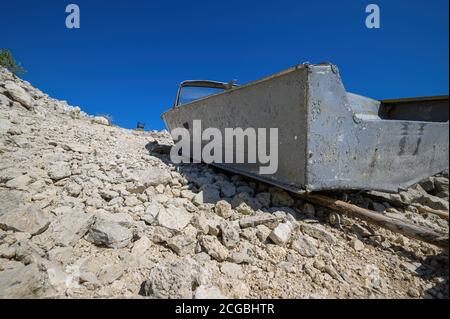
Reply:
x=128, y=57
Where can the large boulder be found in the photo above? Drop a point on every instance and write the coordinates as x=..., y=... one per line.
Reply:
x=29, y=219
x=23, y=282
x=18, y=94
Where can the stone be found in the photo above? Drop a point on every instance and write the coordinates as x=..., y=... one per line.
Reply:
x=58, y=171
x=207, y=195
x=70, y=226
x=361, y=231
x=254, y=221
x=309, y=210
x=393, y=198
x=244, y=209
x=109, y=234
x=58, y=279
x=208, y=292
x=88, y=277
x=227, y=189
x=240, y=258
x=132, y=201
x=160, y=188
x=263, y=232
x=11, y=199
x=235, y=289
x=305, y=246
x=160, y=234
x=334, y=273
x=15, y=131
x=280, y=198
x=214, y=248
x=100, y=120
x=319, y=264
x=264, y=199
x=245, y=189
x=414, y=293
x=18, y=94
x=213, y=227
x=73, y=189
x=223, y=209
x=182, y=245
x=22, y=282
x=356, y=244
x=317, y=232
x=76, y=147
x=61, y=255
x=188, y=194
x=371, y=275
x=230, y=235
x=441, y=184
x=248, y=200
x=151, y=213
x=123, y=219
x=201, y=223
x=109, y=273
x=141, y=246
x=4, y=101
x=153, y=176
x=427, y=184
x=378, y=207
x=411, y=267
x=27, y=252
x=170, y=280
x=174, y=218
x=108, y=194
x=415, y=195
x=21, y=182
x=28, y=219
x=7, y=252
x=231, y=270
x=281, y=234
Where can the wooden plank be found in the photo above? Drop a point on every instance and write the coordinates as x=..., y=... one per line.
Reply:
x=393, y=224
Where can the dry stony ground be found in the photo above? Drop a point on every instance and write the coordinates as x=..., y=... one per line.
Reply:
x=86, y=210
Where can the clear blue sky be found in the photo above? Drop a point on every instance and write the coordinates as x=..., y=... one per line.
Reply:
x=129, y=56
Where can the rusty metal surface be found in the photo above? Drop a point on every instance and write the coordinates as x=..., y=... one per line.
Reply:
x=328, y=138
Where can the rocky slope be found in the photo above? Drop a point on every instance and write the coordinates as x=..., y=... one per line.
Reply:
x=86, y=210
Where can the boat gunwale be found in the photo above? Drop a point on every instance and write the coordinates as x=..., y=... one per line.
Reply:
x=250, y=84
